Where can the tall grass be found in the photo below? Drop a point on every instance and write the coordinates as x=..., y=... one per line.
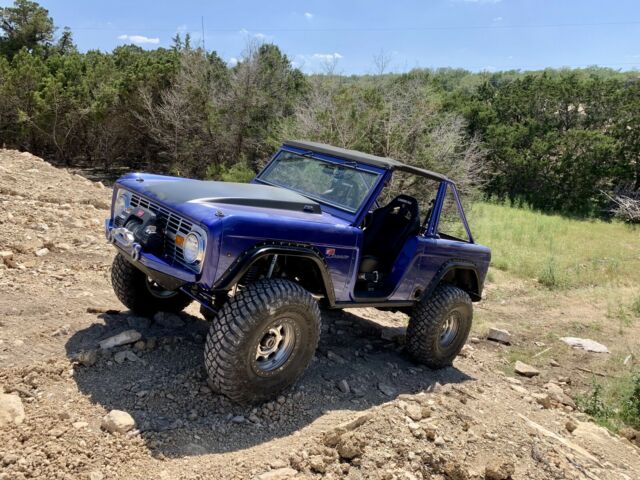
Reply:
x=559, y=252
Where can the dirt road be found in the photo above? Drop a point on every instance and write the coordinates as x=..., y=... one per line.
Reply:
x=363, y=410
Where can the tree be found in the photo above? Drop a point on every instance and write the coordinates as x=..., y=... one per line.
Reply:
x=25, y=25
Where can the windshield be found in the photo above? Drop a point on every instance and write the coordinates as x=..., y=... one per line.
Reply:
x=341, y=186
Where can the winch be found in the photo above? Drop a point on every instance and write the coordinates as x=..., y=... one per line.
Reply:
x=140, y=226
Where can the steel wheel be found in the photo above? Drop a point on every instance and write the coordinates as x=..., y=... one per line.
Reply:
x=275, y=347
x=450, y=329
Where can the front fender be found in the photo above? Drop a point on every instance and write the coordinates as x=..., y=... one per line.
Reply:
x=242, y=264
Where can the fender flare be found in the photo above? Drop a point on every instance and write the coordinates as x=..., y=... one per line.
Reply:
x=244, y=261
x=448, y=266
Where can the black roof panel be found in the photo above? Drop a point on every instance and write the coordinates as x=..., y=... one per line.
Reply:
x=383, y=162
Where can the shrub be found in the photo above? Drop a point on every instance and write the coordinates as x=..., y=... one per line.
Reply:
x=630, y=411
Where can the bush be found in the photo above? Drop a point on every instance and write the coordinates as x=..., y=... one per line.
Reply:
x=239, y=172
x=614, y=404
x=630, y=412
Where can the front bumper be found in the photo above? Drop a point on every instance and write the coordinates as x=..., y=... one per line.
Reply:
x=168, y=276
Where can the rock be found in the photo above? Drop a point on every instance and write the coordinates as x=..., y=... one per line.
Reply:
x=139, y=345
x=519, y=389
x=317, y=464
x=278, y=463
x=86, y=357
x=439, y=441
x=120, y=357
x=394, y=334
x=335, y=357
x=525, y=370
x=557, y=394
x=96, y=475
x=498, y=470
x=499, y=335
x=6, y=254
x=123, y=338
x=64, y=247
x=79, y=425
x=430, y=432
x=238, y=419
x=42, y=252
x=343, y=386
x=585, y=344
x=63, y=330
x=570, y=426
x=414, y=412
x=138, y=323
x=168, y=320
x=554, y=363
x=10, y=459
x=350, y=446
x=543, y=399
x=388, y=390
x=118, y=421
x=11, y=410
x=278, y=474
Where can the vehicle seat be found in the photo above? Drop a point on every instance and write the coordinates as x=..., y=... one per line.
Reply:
x=387, y=233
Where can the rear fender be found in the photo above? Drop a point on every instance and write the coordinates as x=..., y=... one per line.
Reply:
x=461, y=273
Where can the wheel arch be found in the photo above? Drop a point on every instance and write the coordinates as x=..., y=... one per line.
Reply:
x=300, y=252
x=460, y=273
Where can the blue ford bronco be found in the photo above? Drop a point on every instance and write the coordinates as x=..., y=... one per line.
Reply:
x=314, y=228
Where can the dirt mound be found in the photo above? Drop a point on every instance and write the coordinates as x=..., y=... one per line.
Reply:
x=363, y=410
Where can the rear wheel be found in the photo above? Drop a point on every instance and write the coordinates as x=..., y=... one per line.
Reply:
x=142, y=294
x=439, y=326
x=262, y=340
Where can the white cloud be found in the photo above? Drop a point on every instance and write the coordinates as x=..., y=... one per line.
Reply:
x=257, y=35
x=479, y=1
x=308, y=15
x=326, y=56
x=232, y=62
x=497, y=19
x=139, y=39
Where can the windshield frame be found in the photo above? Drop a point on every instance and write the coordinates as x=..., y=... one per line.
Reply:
x=337, y=210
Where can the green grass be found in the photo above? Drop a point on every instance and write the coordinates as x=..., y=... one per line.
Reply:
x=559, y=252
x=614, y=403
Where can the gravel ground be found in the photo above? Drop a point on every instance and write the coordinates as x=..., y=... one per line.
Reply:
x=362, y=410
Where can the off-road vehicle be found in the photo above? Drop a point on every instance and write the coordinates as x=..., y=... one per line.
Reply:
x=312, y=229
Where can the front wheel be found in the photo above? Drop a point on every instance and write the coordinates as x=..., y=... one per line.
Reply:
x=439, y=326
x=140, y=293
x=262, y=340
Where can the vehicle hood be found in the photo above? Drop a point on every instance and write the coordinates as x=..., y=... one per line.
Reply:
x=174, y=190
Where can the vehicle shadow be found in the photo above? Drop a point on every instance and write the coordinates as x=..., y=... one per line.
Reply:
x=359, y=364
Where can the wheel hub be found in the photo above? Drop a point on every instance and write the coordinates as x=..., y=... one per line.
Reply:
x=275, y=347
x=450, y=329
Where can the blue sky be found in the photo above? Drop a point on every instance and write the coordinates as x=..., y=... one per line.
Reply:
x=474, y=34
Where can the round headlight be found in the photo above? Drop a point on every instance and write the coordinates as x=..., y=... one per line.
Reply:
x=121, y=203
x=193, y=248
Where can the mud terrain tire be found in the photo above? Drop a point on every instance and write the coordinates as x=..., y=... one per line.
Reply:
x=244, y=350
x=131, y=287
x=439, y=327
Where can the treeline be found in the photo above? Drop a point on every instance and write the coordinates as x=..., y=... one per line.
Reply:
x=554, y=139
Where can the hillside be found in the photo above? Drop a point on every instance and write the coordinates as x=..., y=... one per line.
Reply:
x=361, y=411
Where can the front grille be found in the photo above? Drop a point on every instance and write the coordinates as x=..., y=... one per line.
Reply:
x=171, y=224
